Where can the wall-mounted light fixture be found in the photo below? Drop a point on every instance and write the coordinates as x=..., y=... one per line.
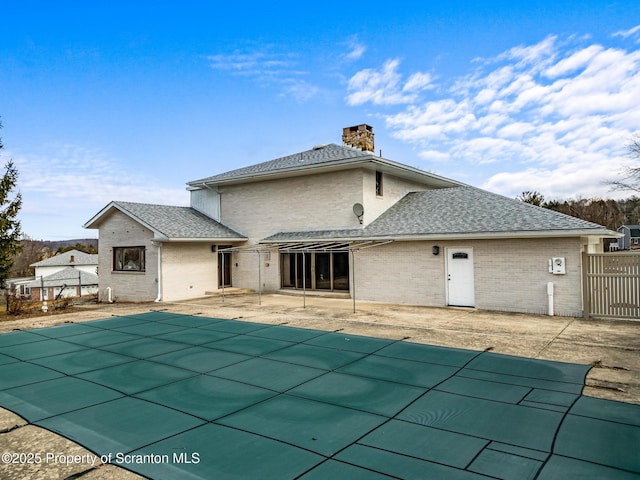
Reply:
x=435, y=249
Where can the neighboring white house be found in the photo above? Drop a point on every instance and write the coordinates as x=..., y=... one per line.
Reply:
x=19, y=286
x=341, y=219
x=69, y=274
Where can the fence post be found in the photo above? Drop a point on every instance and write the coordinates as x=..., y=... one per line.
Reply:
x=586, y=291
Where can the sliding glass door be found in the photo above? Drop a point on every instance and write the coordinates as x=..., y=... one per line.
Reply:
x=320, y=270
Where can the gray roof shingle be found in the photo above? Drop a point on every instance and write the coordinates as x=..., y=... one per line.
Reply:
x=79, y=258
x=323, y=154
x=470, y=210
x=178, y=222
x=455, y=211
x=68, y=276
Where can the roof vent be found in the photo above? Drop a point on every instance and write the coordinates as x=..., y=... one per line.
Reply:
x=319, y=147
x=72, y=259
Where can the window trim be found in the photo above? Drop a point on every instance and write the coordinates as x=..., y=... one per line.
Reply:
x=141, y=255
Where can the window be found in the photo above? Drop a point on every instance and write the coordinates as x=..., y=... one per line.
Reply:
x=128, y=259
x=315, y=270
x=379, y=184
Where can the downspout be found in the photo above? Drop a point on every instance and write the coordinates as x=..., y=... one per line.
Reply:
x=159, y=245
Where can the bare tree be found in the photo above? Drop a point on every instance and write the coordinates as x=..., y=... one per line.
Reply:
x=631, y=177
x=32, y=251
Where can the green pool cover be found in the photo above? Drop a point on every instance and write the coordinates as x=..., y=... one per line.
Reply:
x=173, y=396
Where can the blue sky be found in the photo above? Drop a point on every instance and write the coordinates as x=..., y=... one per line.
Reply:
x=131, y=100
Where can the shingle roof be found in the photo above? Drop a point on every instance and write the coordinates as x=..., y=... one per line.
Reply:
x=470, y=210
x=177, y=222
x=315, y=235
x=323, y=154
x=634, y=230
x=456, y=211
x=79, y=258
x=68, y=276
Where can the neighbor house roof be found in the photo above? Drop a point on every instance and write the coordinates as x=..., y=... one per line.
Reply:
x=69, y=276
x=634, y=230
x=71, y=257
x=321, y=158
x=458, y=212
x=170, y=223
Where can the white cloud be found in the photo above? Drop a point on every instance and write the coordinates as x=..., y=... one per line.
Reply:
x=68, y=184
x=534, y=57
x=268, y=67
x=300, y=90
x=71, y=175
x=556, y=115
x=574, y=62
x=356, y=49
x=385, y=86
x=250, y=63
x=635, y=31
x=418, y=81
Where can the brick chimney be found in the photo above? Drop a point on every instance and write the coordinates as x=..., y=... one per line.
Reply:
x=360, y=136
x=72, y=259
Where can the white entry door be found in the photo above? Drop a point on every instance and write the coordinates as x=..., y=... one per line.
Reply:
x=460, y=289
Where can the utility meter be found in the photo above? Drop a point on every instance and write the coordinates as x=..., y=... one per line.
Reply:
x=557, y=266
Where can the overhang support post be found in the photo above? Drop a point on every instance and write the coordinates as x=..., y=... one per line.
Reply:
x=353, y=278
x=222, y=275
x=259, y=280
x=304, y=279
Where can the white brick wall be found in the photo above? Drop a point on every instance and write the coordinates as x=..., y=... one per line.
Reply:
x=400, y=272
x=312, y=202
x=258, y=210
x=512, y=275
x=393, y=189
x=189, y=270
x=509, y=275
x=119, y=230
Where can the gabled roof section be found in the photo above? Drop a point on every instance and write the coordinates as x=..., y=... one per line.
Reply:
x=458, y=212
x=321, y=158
x=470, y=210
x=634, y=230
x=65, y=258
x=69, y=276
x=170, y=223
x=316, y=156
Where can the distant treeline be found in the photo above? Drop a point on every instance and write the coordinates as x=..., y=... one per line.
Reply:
x=35, y=250
x=608, y=212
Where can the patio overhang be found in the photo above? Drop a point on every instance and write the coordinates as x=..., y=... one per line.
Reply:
x=312, y=246
x=306, y=247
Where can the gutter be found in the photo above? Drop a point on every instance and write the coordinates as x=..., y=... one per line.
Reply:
x=335, y=165
x=453, y=236
x=159, y=246
x=199, y=240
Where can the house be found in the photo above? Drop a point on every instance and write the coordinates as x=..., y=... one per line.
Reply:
x=340, y=219
x=631, y=238
x=19, y=286
x=69, y=274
